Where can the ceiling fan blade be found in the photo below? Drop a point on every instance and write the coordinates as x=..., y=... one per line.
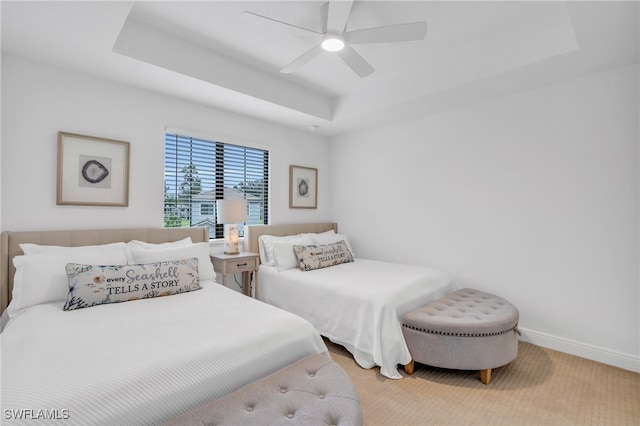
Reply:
x=302, y=60
x=274, y=23
x=391, y=33
x=356, y=62
x=338, y=15
x=324, y=17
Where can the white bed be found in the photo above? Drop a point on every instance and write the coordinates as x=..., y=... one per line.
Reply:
x=141, y=362
x=358, y=305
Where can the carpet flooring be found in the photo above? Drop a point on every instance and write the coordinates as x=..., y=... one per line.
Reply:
x=540, y=387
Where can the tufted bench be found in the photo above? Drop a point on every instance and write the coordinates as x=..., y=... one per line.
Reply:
x=312, y=391
x=466, y=330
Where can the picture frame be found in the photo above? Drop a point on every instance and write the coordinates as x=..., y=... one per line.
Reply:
x=92, y=171
x=303, y=187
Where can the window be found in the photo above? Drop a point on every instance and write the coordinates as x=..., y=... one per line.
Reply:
x=197, y=172
x=207, y=209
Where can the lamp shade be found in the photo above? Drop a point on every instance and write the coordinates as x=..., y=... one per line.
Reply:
x=231, y=211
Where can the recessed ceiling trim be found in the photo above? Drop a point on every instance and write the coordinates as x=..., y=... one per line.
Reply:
x=148, y=44
x=548, y=33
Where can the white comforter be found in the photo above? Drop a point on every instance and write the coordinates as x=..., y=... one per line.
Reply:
x=143, y=362
x=358, y=305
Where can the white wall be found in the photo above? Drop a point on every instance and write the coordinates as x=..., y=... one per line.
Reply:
x=38, y=101
x=533, y=196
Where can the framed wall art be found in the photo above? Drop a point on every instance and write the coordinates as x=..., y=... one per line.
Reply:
x=92, y=171
x=303, y=187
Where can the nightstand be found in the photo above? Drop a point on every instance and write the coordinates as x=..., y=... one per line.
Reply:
x=244, y=262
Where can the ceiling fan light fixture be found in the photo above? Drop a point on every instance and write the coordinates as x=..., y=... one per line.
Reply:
x=335, y=17
x=333, y=43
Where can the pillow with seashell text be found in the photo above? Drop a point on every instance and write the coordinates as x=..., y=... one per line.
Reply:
x=92, y=285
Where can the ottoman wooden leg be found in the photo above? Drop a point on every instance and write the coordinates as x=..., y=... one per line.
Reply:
x=485, y=376
x=409, y=367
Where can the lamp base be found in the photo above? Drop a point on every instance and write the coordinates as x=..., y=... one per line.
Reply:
x=231, y=238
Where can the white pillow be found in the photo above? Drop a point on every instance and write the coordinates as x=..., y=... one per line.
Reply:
x=263, y=253
x=283, y=254
x=326, y=238
x=154, y=246
x=42, y=278
x=265, y=247
x=329, y=232
x=199, y=250
x=30, y=249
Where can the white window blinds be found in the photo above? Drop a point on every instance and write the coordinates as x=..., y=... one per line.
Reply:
x=197, y=172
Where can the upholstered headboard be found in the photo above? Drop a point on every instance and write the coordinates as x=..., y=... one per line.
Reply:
x=252, y=232
x=10, y=245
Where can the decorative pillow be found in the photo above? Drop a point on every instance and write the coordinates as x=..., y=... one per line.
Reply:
x=199, y=250
x=283, y=253
x=154, y=246
x=41, y=278
x=91, y=285
x=328, y=238
x=315, y=257
x=30, y=249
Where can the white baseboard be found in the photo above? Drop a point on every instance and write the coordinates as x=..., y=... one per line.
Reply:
x=595, y=353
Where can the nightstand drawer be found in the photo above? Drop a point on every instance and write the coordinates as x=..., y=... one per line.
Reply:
x=241, y=265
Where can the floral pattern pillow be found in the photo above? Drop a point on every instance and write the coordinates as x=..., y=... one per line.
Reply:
x=91, y=285
x=313, y=257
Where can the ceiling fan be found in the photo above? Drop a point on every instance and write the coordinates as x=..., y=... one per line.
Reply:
x=335, y=39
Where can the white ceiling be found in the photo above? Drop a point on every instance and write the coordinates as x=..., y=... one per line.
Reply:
x=206, y=52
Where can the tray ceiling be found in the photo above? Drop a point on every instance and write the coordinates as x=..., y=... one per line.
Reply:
x=206, y=52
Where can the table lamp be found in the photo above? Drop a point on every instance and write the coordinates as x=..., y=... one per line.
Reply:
x=231, y=212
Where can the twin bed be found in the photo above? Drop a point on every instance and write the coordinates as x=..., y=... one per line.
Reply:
x=357, y=304
x=151, y=360
x=140, y=362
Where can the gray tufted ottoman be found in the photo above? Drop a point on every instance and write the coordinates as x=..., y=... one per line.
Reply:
x=312, y=391
x=466, y=330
